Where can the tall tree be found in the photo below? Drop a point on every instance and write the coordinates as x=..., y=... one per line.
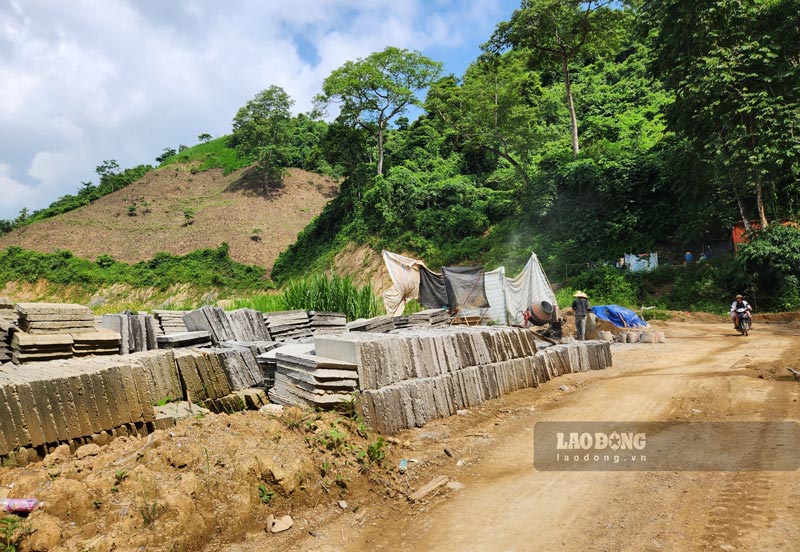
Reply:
x=734, y=72
x=558, y=30
x=261, y=131
x=374, y=90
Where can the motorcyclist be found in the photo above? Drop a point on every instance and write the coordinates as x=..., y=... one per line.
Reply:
x=739, y=303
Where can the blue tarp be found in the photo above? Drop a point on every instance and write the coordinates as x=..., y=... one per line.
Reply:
x=619, y=316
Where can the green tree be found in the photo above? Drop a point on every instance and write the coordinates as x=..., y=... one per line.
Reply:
x=374, y=90
x=205, y=137
x=261, y=132
x=166, y=153
x=733, y=67
x=559, y=30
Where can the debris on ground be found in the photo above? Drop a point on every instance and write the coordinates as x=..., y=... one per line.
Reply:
x=428, y=488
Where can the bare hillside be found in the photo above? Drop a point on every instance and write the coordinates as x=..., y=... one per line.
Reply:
x=228, y=209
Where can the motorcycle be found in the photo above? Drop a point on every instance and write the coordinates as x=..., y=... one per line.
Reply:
x=745, y=321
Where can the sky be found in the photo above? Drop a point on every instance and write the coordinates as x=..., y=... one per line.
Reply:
x=91, y=80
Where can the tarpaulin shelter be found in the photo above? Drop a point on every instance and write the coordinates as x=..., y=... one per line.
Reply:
x=530, y=286
x=619, y=316
x=404, y=272
x=432, y=289
x=465, y=287
x=507, y=298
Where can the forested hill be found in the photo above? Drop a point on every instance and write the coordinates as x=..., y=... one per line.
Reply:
x=584, y=130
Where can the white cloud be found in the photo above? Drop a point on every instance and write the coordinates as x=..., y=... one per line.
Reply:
x=89, y=80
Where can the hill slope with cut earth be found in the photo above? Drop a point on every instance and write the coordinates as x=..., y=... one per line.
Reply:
x=257, y=222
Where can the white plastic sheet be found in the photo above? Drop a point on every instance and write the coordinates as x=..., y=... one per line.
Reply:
x=531, y=285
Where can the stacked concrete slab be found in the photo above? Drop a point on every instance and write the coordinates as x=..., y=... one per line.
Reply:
x=5, y=340
x=27, y=347
x=213, y=320
x=285, y=325
x=170, y=321
x=138, y=331
x=7, y=311
x=249, y=325
x=429, y=317
x=184, y=339
x=98, y=342
x=409, y=379
x=54, y=318
x=327, y=322
x=80, y=399
x=311, y=380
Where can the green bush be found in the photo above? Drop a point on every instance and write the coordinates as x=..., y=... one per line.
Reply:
x=203, y=268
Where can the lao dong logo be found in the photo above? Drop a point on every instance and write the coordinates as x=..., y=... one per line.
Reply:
x=600, y=441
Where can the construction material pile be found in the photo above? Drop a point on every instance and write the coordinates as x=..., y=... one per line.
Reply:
x=170, y=321
x=7, y=312
x=429, y=317
x=54, y=318
x=242, y=324
x=409, y=379
x=378, y=324
x=98, y=342
x=27, y=347
x=184, y=339
x=5, y=340
x=285, y=325
x=327, y=322
x=138, y=331
x=311, y=380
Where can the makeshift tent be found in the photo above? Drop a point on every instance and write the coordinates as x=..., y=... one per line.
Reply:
x=465, y=287
x=531, y=285
x=432, y=289
x=619, y=316
x=507, y=298
x=404, y=272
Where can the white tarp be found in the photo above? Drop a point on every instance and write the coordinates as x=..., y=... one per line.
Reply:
x=641, y=263
x=531, y=285
x=404, y=272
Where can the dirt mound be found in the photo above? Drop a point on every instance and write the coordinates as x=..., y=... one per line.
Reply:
x=210, y=481
x=256, y=222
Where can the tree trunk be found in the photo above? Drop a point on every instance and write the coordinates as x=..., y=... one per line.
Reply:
x=571, y=106
x=380, y=148
x=762, y=215
x=742, y=213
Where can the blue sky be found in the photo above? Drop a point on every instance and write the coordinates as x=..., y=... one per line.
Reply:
x=89, y=80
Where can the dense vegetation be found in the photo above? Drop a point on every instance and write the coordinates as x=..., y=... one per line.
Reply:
x=204, y=268
x=584, y=130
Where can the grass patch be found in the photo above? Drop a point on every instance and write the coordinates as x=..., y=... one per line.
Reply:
x=214, y=154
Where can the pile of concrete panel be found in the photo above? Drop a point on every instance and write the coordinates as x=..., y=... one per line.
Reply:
x=54, y=318
x=138, y=331
x=285, y=325
x=72, y=400
x=7, y=311
x=327, y=322
x=98, y=342
x=170, y=321
x=213, y=320
x=251, y=352
x=311, y=380
x=377, y=324
x=401, y=322
x=249, y=325
x=238, y=325
x=429, y=317
x=5, y=339
x=409, y=379
x=184, y=339
x=27, y=347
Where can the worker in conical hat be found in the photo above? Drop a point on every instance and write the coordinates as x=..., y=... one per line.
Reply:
x=580, y=306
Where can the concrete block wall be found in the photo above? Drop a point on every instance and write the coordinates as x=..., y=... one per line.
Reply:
x=406, y=380
x=92, y=398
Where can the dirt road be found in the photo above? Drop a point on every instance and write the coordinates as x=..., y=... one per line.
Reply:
x=704, y=372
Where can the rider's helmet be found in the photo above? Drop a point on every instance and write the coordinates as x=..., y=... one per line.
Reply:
x=739, y=296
